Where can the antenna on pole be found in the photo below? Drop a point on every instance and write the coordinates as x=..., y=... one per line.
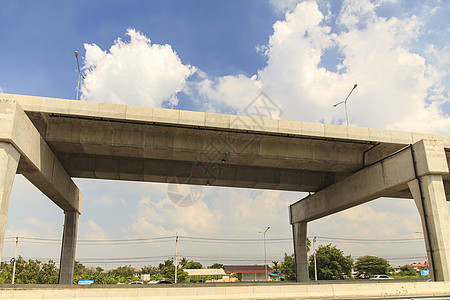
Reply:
x=345, y=102
x=79, y=74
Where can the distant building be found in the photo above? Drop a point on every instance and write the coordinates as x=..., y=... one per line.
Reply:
x=395, y=269
x=249, y=272
x=205, y=275
x=419, y=266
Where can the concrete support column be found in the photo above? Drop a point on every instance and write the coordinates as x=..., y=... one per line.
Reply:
x=68, y=248
x=430, y=163
x=300, y=251
x=429, y=196
x=9, y=160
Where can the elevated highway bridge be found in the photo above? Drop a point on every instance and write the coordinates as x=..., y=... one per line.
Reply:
x=50, y=141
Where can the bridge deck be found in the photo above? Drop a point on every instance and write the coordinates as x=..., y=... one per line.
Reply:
x=113, y=141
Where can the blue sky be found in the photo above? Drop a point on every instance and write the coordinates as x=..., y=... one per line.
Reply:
x=218, y=56
x=40, y=37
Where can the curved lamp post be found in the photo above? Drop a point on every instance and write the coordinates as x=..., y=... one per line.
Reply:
x=265, y=257
x=79, y=73
x=345, y=102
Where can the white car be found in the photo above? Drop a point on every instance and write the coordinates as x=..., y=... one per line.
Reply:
x=377, y=277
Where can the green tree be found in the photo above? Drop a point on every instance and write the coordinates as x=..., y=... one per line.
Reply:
x=167, y=270
x=287, y=268
x=193, y=265
x=276, y=267
x=407, y=271
x=5, y=272
x=371, y=265
x=216, y=266
x=183, y=262
x=49, y=273
x=167, y=263
x=125, y=271
x=149, y=270
x=31, y=271
x=331, y=263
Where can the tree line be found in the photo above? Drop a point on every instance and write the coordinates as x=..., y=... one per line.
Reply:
x=330, y=263
x=36, y=272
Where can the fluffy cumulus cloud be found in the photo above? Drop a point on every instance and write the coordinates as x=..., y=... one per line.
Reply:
x=134, y=72
x=313, y=61
x=282, y=6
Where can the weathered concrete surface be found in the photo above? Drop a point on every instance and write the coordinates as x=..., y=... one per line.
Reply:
x=99, y=140
x=230, y=291
x=420, y=167
x=9, y=160
x=429, y=196
x=381, y=179
x=299, y=231
x=69, y=245
x=38, y=163
x=19, y=138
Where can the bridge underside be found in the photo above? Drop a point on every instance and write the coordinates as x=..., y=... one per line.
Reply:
x=122, y=150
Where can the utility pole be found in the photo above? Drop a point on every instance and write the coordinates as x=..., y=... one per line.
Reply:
x=315, y=264
x=176, y=256
x=15, y=259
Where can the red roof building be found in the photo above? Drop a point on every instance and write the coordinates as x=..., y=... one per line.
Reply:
x=419, y=266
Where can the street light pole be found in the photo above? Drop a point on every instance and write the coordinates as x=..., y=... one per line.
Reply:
x=345, y=102
x=79, y=73
x=265, y=257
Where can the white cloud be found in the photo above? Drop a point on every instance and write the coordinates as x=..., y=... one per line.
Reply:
x=397, y=88
x=134, y=72
x=284, y=5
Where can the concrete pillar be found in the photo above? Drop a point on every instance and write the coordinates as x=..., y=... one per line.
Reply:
x=300, y=251
x=68, y=248
x=9, y=160
x=429, y=196
x=430, y=164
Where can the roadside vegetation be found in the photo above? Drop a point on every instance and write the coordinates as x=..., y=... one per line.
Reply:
x=330, y=262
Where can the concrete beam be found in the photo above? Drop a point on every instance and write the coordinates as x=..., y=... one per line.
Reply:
x=38, y=163
x=381, y=179
x=186, y=172
x=9, y=160
x=69, y=244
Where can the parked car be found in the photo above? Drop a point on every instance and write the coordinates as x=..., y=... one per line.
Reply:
x=164, y=282
x=379, y=277
x=136, y=282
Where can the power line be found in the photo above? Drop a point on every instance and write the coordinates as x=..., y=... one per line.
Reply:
x=192, y=239
x=368, y=240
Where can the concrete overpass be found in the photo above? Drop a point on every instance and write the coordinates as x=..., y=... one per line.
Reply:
x=51, y=140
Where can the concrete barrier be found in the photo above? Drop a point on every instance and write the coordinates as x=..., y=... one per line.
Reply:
x=377, y=290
